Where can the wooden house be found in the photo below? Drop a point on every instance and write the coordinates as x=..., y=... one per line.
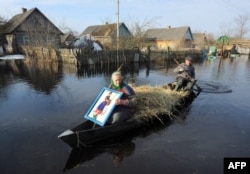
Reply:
x=30, y=28
x=199, y=41
x=107, y=34
x=67, y=40
x=174, y=38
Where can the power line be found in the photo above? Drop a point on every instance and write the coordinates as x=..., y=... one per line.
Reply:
x=230, y=6
x=236, y=6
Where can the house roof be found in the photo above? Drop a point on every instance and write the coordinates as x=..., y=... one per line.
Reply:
x=67, y=36
x=168, y=33
x=199, y=37
x=18, y=19
x=102, y=30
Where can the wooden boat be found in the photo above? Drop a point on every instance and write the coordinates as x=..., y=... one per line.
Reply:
x=88, y=133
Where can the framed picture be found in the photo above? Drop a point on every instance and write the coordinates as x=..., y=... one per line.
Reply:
x=102, y=106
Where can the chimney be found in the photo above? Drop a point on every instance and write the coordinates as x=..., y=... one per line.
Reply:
x=24, y=10
x=169, y=27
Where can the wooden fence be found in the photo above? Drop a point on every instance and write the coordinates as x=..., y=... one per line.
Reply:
x=106, y=56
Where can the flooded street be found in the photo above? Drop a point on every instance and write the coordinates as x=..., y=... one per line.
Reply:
x=37, y=103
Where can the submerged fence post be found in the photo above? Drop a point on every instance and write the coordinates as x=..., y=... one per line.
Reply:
x=167, y=61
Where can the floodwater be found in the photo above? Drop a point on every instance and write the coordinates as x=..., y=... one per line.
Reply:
x=38, y=102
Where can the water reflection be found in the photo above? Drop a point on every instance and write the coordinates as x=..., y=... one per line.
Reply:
x=216, y=125
x=43, y=77
x=99, y=69
x=87, y=71
x=128, y=70
x=119, y=148
x=118, y=152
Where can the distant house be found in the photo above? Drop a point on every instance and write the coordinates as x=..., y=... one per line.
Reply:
x=199, y=41
x=174, y=38
x=30, y=28
x=107, y=34
x=67, y=40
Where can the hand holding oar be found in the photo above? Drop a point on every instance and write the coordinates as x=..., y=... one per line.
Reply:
x=187, y=75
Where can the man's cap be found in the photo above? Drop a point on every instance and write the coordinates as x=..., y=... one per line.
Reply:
x=188, y=58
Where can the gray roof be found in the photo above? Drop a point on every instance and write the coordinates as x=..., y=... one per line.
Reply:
x=102, y=30
x=90, y=29
x=198, y=37
x=14, y=22
x=168, y=33
x=67, y=36
x=18, y=19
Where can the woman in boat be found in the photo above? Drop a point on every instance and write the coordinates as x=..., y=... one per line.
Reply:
x=125, y=106
x=186, y=75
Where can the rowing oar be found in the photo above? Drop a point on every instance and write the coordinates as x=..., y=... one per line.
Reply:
x=120, y=67
x=198, y=88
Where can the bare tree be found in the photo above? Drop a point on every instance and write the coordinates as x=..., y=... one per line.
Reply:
x=65, y=29
x=210, y=39
x=241, y=30
x=2, y=20
x=138, y=29
x=226, y=30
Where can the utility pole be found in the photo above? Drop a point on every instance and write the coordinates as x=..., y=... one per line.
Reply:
x=118, y=34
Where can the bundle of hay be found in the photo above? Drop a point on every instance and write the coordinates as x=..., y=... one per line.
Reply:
x=155, y=101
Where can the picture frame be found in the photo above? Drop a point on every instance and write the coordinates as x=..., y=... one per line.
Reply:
x=103, y=105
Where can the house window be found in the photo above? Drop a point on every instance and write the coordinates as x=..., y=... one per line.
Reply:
x=49, y=39
x=25, y=40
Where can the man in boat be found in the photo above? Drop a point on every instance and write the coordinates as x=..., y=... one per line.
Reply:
x=186, y=75
x=125, y=106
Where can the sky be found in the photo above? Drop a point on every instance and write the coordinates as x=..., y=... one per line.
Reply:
x=208, y=16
